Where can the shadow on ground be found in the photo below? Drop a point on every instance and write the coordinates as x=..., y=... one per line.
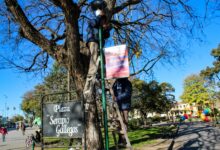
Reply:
x=198, y=136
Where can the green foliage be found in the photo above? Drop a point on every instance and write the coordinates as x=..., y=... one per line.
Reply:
x=195, y=90
x=56, y=81
x=213, y=72
x=17, y=118
x=31, y=104
x=133, y=124
x=152, y=96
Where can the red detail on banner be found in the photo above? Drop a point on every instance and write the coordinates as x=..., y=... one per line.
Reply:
x=116, y=62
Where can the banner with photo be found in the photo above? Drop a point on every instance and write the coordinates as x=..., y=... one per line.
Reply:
x=116, y=62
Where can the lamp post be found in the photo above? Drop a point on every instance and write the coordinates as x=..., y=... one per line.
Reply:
x=100, y=5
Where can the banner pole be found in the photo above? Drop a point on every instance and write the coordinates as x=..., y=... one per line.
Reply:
x=103, y=90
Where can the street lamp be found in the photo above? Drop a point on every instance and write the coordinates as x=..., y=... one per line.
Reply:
x=97, y=6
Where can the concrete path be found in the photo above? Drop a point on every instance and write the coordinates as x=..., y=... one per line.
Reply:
x=197, y=136
x=15, y=140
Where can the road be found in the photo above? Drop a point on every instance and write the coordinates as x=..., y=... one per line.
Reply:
x=15, y=140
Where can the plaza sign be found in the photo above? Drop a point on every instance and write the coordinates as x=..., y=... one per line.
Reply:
x=63, y=120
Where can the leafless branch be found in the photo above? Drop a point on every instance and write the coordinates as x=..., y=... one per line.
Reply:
x=124, y=5
x=28, y=29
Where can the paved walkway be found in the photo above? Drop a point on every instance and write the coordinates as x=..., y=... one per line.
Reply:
x=196, y=136
x=15, y=140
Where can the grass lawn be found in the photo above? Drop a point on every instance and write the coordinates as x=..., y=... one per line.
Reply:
x=141, y=137
x=138, y=137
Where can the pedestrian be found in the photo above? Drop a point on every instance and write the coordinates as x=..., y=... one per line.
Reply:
x=37, y=137
x=23, y=128
x=122, y=89
x=3, y=131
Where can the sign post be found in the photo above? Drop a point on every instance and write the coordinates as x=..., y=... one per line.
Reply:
x=104, y=107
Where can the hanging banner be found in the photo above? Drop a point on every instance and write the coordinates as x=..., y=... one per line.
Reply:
x=116, y=62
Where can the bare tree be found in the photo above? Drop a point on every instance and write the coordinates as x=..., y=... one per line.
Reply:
x=47, y=30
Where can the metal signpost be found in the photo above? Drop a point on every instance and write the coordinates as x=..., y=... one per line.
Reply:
x=103, y=90
x=100, y=5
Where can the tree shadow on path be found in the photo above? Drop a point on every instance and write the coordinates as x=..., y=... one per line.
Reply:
x=198, y=136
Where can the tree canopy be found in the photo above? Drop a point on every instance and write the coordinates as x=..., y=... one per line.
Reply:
x=147, y=27
x=195, y=90
x=17, y=118
x=213, y=71
x=152, y=96
x=211, y=74
x=55, y=81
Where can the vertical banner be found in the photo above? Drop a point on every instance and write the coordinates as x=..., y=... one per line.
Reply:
x=116, y=62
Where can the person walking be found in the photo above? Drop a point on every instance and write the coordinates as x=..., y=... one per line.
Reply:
x=23, y=128
x=122, y=90
x=3, y=131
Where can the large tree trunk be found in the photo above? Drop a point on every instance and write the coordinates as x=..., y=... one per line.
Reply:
x=92, y=129
x=93, y=132
x=78, y=72
x=69, y=56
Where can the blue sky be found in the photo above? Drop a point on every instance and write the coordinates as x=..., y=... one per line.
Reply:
x=13, y=84
x=197, y=58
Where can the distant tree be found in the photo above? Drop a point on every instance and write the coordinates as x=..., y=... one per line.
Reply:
x=55, y=81
x=212, y=73
x=30, y=104
x=17, y=118
x=195, y=90
x=152, y=97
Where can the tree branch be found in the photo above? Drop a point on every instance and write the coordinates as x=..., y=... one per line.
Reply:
x=153, y=61
x=28, y=30
x=124, y=5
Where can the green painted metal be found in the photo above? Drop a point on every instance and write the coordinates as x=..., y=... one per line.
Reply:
x=104, y=107
x=33, y=145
